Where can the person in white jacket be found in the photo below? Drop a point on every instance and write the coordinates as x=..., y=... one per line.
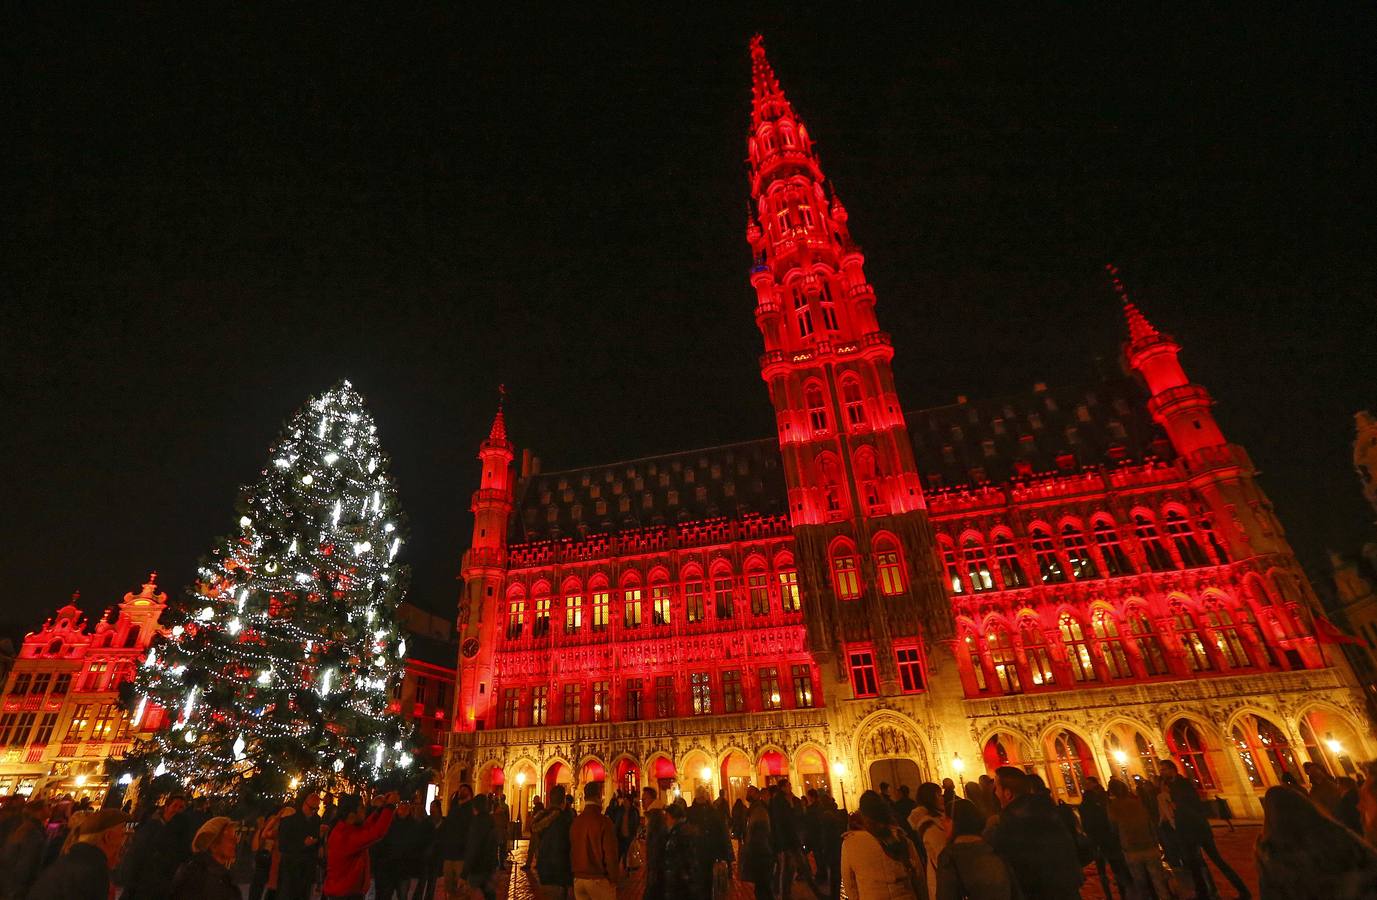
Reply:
x=879, y=862
x=930, y=828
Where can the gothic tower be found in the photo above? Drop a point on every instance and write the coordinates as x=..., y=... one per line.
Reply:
x=865, y=546
x=482, y=572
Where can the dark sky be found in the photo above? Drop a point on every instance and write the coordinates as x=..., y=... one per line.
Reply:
x=211, y=218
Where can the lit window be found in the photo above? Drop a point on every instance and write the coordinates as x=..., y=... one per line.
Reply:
x=1189, y=750
x=853, y=402
x=1183, y=539
x=1036, y=652
x=1003, y=660
x=542, y=617
x=733, y=700
x=817, y=408
x=600, y=700
x=1111, y=644
x=1189, y=633
x=631, y=608
x=573, y=703
x=700, y=689
x=693, y=601
x=1045, y=552
x=573, y=614
x=977, y=663
x=1149, y=644
x=722, y=597
x=759, y=587
x=863, y=674
x=788, y=590
x=1112, y=549
x=910, y=669
x=848, y=579
x=540, y=705
x=1077, y=553
x=803, y=686
x=511, y=702
x=769, y=688
x=890, y=572
x=600, y=610
x=977, y=565
x=660, y=604
x=1226, y=638
x=1010, y=569
x=953, y=570
x=516, y=619
x=1077, y=649
x=1158, y=559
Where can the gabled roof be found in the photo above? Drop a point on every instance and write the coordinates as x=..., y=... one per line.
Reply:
x=987, y=441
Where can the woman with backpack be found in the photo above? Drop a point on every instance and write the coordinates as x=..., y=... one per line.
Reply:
x=878, y=861
x=929, y=826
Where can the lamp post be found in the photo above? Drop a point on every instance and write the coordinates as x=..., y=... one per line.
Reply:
x=958, y=765
x=839, y=772
x=1121, y=758
x=705, y=776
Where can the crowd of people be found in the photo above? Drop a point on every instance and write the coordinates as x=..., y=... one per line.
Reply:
x=1005, y=839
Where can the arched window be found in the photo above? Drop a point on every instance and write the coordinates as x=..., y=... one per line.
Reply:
x=1072, y=759
x=831, y=484
x=977, y=665
x=1006, y=555
x=868, y=479
x=825, y=304
x=1002, y=658
x=1158, y=559
x=541, y=626
x=1112, y=549
x=817, y=407
x=889, y=568
x=1077, y=553
x=1183, y=538
x=661, y=612
x=846, y=572
x=1265, y=751
x=1045, y=552
x=1221, y=554
x=789, y=599
x=1035, y=649
x=1226, y=638
x=1149, y=644
x=695, y=608
x=1197, y=657
x=977, y=565
x=1077, y=648
x=1189, y=749
x=952, y=569
x=516, y=616
x=1111, y=643
x=1264, y=640
x=803, y=314
x=853, y=402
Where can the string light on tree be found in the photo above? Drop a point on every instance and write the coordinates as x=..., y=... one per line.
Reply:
x=281, y=663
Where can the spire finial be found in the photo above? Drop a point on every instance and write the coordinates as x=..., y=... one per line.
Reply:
x=1140, y=330
x=767, y=97
x=498, y=433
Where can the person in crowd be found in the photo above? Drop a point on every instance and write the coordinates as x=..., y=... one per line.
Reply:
x=207, y=873
x=21, y=855
x=903, y=808
x=538, y=811
x=714, y=844
x=968, y=868
x=1346, y=809
x=1190, y=826
x=948, y=796
x=83, y=872
x=757, y=806
x=878, y=861
x=788, y=845
x=651, y=799
x=298, y=842
x=1367, y=804
x=357, y=828
x=267, y=857
x=1031, y=838
x=593, y=851
x=928, y=825
x=501, y=827
x=724, y=811
x=398, y=858
x=683, y=867
x=554, y=869
x=758, y=860
x=628, y=825
x=1323, y=790
x=739, y=820
x=656, y=833
x=1102, y=838
x=453, y=838
x=1303, y=852
x=481, y=848
x=157, y=850
x=1132, y=824
x=434, y=859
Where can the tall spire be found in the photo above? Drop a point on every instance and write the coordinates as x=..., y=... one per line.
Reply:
x=497, y=435
x=767, y=97
x=1140, y=330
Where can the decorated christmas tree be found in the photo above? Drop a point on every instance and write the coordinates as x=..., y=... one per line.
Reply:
x=281, y=658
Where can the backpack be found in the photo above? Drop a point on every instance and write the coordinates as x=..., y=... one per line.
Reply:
x=918, y=841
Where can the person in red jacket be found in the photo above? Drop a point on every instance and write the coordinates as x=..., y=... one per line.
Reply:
x=346, y=850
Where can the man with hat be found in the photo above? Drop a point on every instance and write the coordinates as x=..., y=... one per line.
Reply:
x=83, y=872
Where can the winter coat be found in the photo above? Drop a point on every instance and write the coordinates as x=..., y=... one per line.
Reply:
x=713, y=841
x=783, y=826
x=480, y=851
x=454, y=831
x=347, y=866
x=1335, y=867
x=82, y=873
x=757, y=860
x=21, y=857
x=553, y=865
x=204, y=878
x=156, y=851
x=739, y=819
x=684, y=867
x=930, y=839
x=1031, y=838
x=969, y=869
x=869, y=873
x=401, y=853
x=1133, y=826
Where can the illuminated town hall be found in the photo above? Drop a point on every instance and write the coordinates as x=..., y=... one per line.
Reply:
x=1075, y=581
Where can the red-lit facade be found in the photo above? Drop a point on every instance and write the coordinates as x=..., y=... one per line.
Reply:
x=1076, y=581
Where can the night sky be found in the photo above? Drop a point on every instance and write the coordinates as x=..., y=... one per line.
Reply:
x=211, y=219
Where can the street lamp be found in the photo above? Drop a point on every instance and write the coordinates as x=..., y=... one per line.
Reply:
x=1121, y=758
x=705, y=776
x=839, y=772
x=958, y=765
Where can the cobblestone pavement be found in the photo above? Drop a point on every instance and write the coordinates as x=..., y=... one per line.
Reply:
x=1236, y=847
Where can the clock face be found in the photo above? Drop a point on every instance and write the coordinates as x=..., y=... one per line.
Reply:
x=470, y=648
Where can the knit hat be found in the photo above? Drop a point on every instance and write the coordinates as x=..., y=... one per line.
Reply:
x=210, y=833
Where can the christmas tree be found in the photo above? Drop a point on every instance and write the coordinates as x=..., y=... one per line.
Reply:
x=280, y=662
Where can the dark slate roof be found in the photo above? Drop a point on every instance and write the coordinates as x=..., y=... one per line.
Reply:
x=432, y=650
x=986, y=441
